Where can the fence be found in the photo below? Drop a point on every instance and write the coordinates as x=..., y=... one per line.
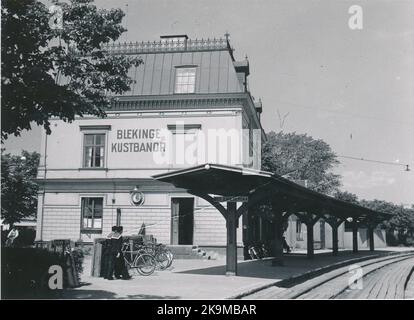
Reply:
x=63, y=247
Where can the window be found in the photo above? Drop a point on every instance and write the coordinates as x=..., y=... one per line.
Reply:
x=184, y=144
x=93, y=150
x=92, y=213
x=185, y=80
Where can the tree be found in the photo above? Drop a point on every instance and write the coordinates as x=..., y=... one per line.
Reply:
x=402, y=220
x=300, y=157
x=62, y=71
x=18, y=186
x=346, y=196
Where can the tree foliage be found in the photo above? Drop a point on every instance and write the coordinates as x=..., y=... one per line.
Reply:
x=301, y=157
x=58, y=72
x=403, y=218
x=18, y=186
x=346, y=196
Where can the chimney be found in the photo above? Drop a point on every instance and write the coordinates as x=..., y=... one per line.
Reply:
x=258, y=106
x=175, y=40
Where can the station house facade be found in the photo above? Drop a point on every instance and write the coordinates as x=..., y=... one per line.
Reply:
x=95, y=173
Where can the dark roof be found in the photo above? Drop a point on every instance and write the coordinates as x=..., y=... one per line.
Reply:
x=213, y=59
x=237, y=181
x=215, y=72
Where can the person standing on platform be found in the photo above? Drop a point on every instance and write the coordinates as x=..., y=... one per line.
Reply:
x=120, y=267
x=106, y=254
x=113, y=240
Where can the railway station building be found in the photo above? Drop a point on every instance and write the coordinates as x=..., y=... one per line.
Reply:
x=190, y=104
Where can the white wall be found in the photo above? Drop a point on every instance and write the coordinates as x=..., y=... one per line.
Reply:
x=65, y=144
x=62, y=218
x=344, y=238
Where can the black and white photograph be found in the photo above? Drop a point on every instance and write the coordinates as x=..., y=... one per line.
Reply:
x=221, y=151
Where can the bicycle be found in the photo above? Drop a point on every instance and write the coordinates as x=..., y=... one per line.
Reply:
x=258, y=251
x=162, y=255
x=138, y=260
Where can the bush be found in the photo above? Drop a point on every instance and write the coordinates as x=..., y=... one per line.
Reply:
x=78, y=257
x=410, y=241
x=25, y=272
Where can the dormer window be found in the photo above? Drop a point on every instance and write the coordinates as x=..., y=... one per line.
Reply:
x=185, y=79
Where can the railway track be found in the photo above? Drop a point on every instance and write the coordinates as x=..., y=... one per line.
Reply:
x=389, y=277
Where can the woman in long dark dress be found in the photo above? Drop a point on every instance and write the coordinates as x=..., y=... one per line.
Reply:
x=121, y=270
x=111, y=252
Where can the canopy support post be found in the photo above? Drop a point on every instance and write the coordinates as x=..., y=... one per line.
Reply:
x=278, y=246
x=334, y=222
x=231, y=250
x=335, y=240
x=371, y=227
x=309, y=221
x=309, y=245
x=279, y=218
x=371, y=238
x=354, y=236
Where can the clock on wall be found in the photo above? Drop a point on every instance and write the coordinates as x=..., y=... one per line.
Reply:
x=137, y=197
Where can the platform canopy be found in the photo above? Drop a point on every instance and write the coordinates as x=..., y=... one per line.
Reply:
x=219, y=183
x=230, y=181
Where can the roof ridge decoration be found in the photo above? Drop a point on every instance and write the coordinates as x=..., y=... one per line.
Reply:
x=169, y=45
x=172, y=102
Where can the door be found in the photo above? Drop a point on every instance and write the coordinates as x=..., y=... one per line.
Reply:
x=174, y=220
x=182, y=221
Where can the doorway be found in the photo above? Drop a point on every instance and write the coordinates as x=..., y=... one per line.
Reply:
x=182, y=221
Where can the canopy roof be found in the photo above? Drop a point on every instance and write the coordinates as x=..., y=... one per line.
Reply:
x=260, y=185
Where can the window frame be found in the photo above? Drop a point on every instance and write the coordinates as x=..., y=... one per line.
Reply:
x=93, y=229
x=182, y=129
x=102, y=130
x=176, y=76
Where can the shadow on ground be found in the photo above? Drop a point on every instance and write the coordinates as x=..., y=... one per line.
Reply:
x=102, y=294
x=298, y=263
x=88, y=294
x=150, y=297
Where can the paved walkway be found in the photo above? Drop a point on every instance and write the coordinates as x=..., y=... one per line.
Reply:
x=205, y=279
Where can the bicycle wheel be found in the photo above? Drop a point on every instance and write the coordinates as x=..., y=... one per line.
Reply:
x=163, y=260
x=170, y=257
x=145, y=264
x=131, y=268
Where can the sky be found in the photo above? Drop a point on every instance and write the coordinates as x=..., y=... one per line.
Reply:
x=353, y=89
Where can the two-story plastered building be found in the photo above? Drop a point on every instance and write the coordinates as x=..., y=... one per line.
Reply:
x=189, y=104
